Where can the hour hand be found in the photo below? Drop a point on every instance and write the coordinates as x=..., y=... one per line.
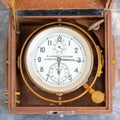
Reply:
x=59, y=60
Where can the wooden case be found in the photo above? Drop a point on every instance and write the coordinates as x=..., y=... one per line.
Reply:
x=31, y=14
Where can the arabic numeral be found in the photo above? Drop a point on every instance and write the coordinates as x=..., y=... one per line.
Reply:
x=39, y=59
x=59, y=39
x=41, y=69
x=79, y=60
x=70, y=77
x=76, y=50
x=42, y=49
x=76, y=70
x=49, y=42
x=47, y=77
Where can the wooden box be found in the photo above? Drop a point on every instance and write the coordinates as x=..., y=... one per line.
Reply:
x=31, y=14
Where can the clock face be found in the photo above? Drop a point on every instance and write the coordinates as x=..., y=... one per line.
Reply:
x=58, y=59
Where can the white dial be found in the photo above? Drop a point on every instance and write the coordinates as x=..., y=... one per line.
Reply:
x=59, y=59
x=59, y=74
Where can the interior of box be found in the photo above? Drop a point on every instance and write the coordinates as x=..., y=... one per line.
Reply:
x=27, y=26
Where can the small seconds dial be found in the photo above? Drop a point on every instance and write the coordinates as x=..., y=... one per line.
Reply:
x=59, y=73
x=57, y=59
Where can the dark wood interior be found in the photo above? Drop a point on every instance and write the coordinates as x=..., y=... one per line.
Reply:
x=27, y=98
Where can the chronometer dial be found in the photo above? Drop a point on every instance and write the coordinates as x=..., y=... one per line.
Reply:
x=58, y=58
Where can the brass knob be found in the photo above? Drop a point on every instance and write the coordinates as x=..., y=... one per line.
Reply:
x=98, y=97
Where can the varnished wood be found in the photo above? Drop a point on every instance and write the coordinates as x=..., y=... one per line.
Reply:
x=108, y=53
x=59, y=4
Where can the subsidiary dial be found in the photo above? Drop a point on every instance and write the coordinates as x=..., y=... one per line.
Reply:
x=59, y=74
x=59, y=45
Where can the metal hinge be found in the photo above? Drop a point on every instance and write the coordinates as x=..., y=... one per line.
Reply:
x=95, y=26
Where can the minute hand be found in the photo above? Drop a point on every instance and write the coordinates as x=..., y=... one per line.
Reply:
x=71, y=60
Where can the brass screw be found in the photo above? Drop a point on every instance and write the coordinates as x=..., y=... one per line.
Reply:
x=7, y=62
x=17, y=93
x=6, y=93
x=18, y=101
x=6, y=101
x=113, y=61
x=59, y=20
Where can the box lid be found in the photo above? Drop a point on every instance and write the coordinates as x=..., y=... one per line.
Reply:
x=58, y=4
